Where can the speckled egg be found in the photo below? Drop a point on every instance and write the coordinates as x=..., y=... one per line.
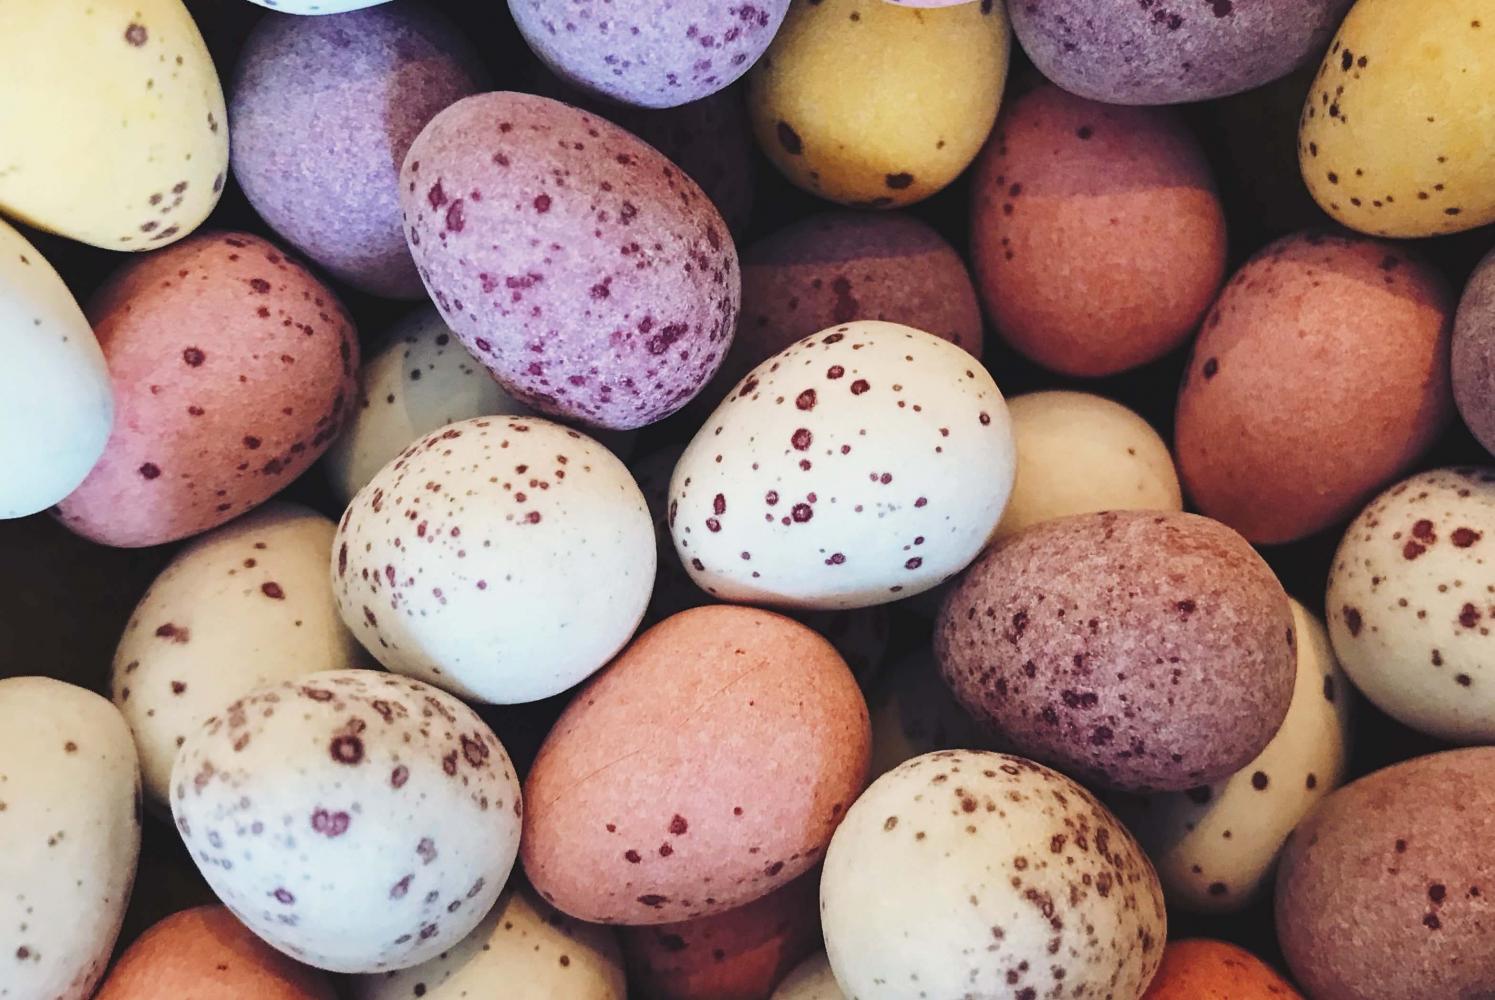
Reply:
x=586, y=271
x=56, y=403
x=913, y=713
x=205, y=954
x=354, y=820
x=132, y=77
x=646, y=808
x=241, y=607
x=70, y=823
x=317, y=6
x=233, y=368
x=1384, y=892
x=859, y=466
x=1352, y=331
x=1079, y=453
x=812, y=979
x=1171, y=52
x=871, y=104
x=322, y=112
x=1215, y=846
x=1473, y=360
x=1396, y=137
x=460, y=562
x=525, y=949
x=1411, y=599
x=1201, y=969
x=994, y=877
x=1177, y=679
x=1097, y=238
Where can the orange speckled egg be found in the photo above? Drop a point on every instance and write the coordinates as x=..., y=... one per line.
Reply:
x=205, y=954
x=1097, y=238
x=1321, y=375
x=1201, y=969
x=232, y=368
x=705, y=767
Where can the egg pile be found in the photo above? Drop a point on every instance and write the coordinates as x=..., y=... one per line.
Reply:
x=747, y=499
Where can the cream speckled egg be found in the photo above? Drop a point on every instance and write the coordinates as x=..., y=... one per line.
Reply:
x=812, y=979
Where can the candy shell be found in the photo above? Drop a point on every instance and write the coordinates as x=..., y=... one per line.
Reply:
x=1473, y=360
x=1200, y=969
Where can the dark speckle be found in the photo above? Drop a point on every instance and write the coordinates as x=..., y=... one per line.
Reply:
x=789, y=139
x=136, y=35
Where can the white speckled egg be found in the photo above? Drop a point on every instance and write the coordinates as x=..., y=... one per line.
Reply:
x=1215, y=846
x=913, y=713
x=503, y=559
x=994, y=876
x=70, y=823
x=56, y=405
x=317, y=6
x=525, y=949
x=356, y=821
x=1411, y=603
x=243, y=606
x=861, y=465
x=812, y=979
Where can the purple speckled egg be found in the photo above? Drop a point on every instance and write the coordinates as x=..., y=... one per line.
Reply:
x=584, y=269
x=651, y=53
x=321, y=114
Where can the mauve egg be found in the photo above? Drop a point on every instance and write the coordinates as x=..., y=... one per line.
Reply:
x=1474, y=353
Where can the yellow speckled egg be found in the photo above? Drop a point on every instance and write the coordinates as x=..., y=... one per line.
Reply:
x=113, y=119
x=1398, y=135
x=873, y=104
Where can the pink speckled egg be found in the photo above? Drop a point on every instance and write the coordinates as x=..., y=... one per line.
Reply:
x=706, y=767
x=233, y=368
x=586, y=271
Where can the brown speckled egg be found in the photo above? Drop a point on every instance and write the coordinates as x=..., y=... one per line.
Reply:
x=233, y=369
x=1474, y=353
x=1201, y=969
x=1097, y=238
x=586, y=271
x=1321, y=374
x=1142, y=651
x=706, y=767
x=1385, y=892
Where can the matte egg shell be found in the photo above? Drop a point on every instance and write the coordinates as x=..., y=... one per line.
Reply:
x=812, y=979
x=1396, y=137
x=1176, y=680
x=1385, y=891
x=206, y=954
x=322, y=112
x=1215, y=846
x=1356, y=335
x=56, y=403
x=525, y=949
x=1201, y=969
x=913, y=713
x=647, y=807
x=461, y=561
x=992, y=877
x=1097, y=238
x=859, y=466
x=592, y=277
x=130, y=77
x=874, y=105
x=233, y=369
x=1411, y=601
x=70, y=823
x=354, y=820
x=243, y=606
x=317, y=6
x=1473, y=360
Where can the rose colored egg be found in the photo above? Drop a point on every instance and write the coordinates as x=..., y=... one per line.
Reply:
x=1201, y=969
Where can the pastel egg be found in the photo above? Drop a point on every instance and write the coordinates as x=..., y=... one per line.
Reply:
x=1201, y=969
x=233, y=369
x=1175, y=680
x=70, y=787
x=812, y=979
x=651, y=53
x=995, y=877
x=241, y=607
x=355, y=821
x=317, y=6
x=859, y=466
x=132, y=77
x=1411, y=600
x=1097, y=237
x=58, y=405
x=1473, y=360
x=1079, y=453
x=1356, y=334
x=1395, y=137
x=206, y=954
x=914, y=713
x=646, y=809
x=874, y=105
x=459, y=562
x=1215, y=846
x=610, y=298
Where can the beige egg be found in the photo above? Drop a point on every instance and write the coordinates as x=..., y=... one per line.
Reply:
x=812, y=979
